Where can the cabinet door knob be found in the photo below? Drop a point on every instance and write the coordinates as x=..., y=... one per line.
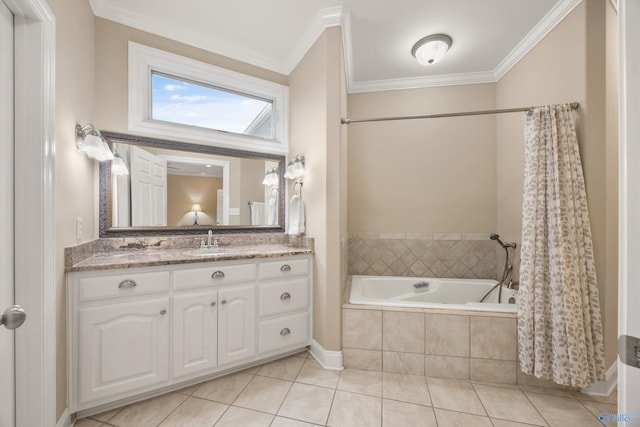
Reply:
x=163, y=312
x=217, y=275
x=224, y=301
x=127, y=284
x=285, y=267
x=285, y=331
x=285, y=296
x=213, y=303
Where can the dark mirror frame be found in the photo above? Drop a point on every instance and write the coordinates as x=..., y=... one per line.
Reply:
x=105, y=201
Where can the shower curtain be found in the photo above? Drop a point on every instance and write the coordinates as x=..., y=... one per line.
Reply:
x=559, y=326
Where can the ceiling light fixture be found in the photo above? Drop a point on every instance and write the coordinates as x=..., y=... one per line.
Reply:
x=429, y=50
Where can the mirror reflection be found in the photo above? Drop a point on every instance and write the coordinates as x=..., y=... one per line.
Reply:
x=174, y=186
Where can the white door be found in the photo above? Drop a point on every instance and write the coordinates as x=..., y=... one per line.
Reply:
x=7, y=363
x=148, y=188
x=195, y=332
x=629, y=295
x=236, y=323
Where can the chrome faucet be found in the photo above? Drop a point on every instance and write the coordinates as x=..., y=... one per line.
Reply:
x=209, y=238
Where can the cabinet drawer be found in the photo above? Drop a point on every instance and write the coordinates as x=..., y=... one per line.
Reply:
x=284, y=332
x=283, y=296
x=279, y=269
x=123, y=285
x=213, y=275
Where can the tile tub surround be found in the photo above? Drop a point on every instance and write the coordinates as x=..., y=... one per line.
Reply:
x=463, y=256
x=108, y=253
x=279, y=394
x=464, y=345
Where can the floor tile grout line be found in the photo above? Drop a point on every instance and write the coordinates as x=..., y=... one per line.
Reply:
x=174, y=409
x=537, y=410
x=588, y=410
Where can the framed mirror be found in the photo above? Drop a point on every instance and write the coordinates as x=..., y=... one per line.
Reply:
x=159, y=187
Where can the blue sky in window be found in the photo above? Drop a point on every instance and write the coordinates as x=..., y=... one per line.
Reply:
x=187, y=103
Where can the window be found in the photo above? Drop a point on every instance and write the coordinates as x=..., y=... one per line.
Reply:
x=176, y=96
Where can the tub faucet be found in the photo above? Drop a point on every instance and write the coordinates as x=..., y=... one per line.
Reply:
x=507, y=266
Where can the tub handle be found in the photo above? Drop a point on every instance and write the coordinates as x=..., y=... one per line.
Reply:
x=421, y=285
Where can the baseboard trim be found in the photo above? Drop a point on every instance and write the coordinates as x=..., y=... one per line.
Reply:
x=331, y=360
x=604, y=388
x=65, y=419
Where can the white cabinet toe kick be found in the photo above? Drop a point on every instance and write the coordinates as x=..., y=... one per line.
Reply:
x=134, y=332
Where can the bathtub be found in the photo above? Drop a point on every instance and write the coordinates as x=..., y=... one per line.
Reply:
x=450, y=294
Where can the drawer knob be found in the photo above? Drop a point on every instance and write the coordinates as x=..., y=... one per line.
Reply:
x=213, y=303
x=163, y=312
x=217, y=275
x=285, y=296
x=285, y=267
x=127, y=284
x=224, y=301
x=285, y=331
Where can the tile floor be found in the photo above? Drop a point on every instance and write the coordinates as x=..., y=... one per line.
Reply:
x=296, y=391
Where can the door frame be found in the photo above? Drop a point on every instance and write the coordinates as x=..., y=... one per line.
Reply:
x=629, y=32
x=35, y=38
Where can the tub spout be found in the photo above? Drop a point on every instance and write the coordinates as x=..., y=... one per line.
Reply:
x=421, y=285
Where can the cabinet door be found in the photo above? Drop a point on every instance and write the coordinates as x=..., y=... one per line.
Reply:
x=123, y=347
x=236, y=323
x=195, y=330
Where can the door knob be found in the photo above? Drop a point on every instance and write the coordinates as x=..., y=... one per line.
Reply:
x=13, y=317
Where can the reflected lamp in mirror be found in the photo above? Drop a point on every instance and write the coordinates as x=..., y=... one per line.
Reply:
x=90, y=141
x=195, y=208
x=295, y=168
x=271, y=178
x=118, y=166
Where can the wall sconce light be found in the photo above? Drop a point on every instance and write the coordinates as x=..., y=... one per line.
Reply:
x=90, y=141
x=195, y=208
x=118, y=167
x=271, y=178
x=431, y=49
x=295, y=168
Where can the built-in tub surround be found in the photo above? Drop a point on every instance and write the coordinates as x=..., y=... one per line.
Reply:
x=108, y=253
x=463, y=256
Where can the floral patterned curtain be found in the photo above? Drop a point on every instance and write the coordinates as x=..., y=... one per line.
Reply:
x=559, y=325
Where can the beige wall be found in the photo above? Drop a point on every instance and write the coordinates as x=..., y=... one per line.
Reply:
x=568, y=65
x=74, y=178
x=423, y=176
x=183, y=191
x=112, y=68
x=316, y=94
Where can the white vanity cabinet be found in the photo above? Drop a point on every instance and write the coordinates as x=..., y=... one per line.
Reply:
x=122, y=327
x=133, y=332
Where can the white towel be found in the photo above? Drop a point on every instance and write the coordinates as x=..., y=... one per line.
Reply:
x=273, y=208
x=296, y=215
x=257, y=212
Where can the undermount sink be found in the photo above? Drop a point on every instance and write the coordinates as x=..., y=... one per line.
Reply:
x=206, y=252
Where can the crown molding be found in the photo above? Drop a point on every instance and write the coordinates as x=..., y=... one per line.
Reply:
x=323, y=19
x=104, y=9
x=544, y=27
x=422, y=82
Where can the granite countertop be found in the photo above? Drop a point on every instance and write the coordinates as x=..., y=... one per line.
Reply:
x=153, y=257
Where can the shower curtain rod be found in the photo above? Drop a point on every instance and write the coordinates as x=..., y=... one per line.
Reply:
x=346, y=120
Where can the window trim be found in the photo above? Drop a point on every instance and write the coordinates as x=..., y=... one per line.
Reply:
x=144, y=60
